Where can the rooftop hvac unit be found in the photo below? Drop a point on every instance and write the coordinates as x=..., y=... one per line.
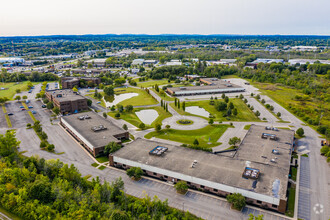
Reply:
x=194, y=164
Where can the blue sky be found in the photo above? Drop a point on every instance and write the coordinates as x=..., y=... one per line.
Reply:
x=44, y=17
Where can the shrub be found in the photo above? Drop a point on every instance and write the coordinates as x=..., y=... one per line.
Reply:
x=117, y=115
x=181, y=187
x=142, y=126
x=125, y=127
x=196, y=142
x=50, y=147
x=134, y=172
x=43, y=144
x=300, y=132
x=237, y=200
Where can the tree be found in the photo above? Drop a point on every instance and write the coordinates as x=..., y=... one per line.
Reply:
x=18, y=91
x=50, y=147
x=129, y=108
x=278, y=114
x=120, y=108
x=234, y=141
x=220, y=106
x=156, y=88
x=252, y=217
x=111, y=148
x=196, y=142
x=105, y=115
x=108, y=90
x=257, y=113
x=229, y=112
x=175, y=102
x=258, y=97
x=231, y=105
x=167, y=126
x=43, y=144
x=142, y=125
x=18, y=98
x=135, y=173
x=300, y=132
x=263, y=101
x=235, y=112
x=226, y=99
x=89, y=66
x=24, y=97
x=241, y=96
x=211, y=121
x=183, y=106
x=252, y=94
x=89, y=102
x=181, y=187
x=75, y=89
x=223, y=96
x=50, y=105
x=117, y=115
x=178, y=104
x=125, y=127
x=237, y=200
x=158, y=127
x=324, y=150
x=56, y=110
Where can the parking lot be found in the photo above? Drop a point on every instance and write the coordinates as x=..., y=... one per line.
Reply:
x=20, y=118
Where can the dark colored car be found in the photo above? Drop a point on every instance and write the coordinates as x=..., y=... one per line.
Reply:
x=43, y=106
x=10, y=113
x=30, y=106
x=33, y=112
x=23, y=109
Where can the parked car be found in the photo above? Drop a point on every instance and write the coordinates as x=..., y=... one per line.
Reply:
x=30, y=106
x=23, y=109
x=43, y=106
x=21, y=106
x=33, y=112
x=98, y=102
x=10, y=114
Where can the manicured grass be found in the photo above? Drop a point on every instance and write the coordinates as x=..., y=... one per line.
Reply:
x=304, y=155
x=247, y=127
x=142, y=99
x=6, y=116
x=10, y=215
x=286, y=97
x=165, y=96
x=244, y=113
x=91, y=95
x=285, y=128
x=11, y=91
x=229, y=77
x=151, y=83
x=102, y=159
x=291, y=201
x=212, y=132
x=95, y=164
x=294, y=173
x=102, y=167
x=185, y=122
x=87, y=176
x=132, y=118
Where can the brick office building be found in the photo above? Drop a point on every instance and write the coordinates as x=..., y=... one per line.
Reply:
x=93, y=131
x=70, y=82
x=259, y=169
x=67, y=101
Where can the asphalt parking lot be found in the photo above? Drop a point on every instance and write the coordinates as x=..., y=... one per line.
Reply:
x=20, y=118
x=3, y=122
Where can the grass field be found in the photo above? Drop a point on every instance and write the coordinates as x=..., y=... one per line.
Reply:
x=247, y=127
x=207, y=137
x=132, y=118
x=165, y=97
x=286, y=97
x=244, y=113
x=151, y=83
x=142, y=99
x=293, y=173
x=102, y=159
x=11, y=91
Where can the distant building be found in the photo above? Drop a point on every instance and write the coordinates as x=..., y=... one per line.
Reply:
x=304, y=61
x=304, y=48
x=212, y=86
x=70, y=82
x=93, y=131
x=97, y=62
x=174, y=63
x=67, y=101
x=138, y=62
x=150, y=62
x=258, y=169
x=11, y=61
x=266, y=60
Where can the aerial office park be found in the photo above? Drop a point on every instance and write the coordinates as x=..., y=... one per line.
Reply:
x=258, y=167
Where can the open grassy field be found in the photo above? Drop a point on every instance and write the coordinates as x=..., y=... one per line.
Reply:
x=132, y=118
x=304, y=109
x=207, y=137
x=142, y=99
x=151, y=83
x=244, y=113
x=11, y=91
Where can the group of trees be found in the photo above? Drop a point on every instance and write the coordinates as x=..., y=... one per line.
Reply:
x=35, y=188
x=44, y=144
x=19, y=77
x=224, y=106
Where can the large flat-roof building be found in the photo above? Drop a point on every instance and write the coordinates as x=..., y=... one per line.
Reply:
x=259, y=169
x=210, y=86
x=67, y=101
x=93, y=131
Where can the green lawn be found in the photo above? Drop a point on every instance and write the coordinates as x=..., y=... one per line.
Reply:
x=102, y=159
x=132, y=118
x=151, y=83
x=11, y=91
x=291, y=200
x=247, y=127
x=285, y=96
x=229, y=77
x=94, y=164
x=142, y=99
x=91, y=95
x=212, y=132
x=102, y=167
x=165, y=96
x=294, y=173
x=244, y=113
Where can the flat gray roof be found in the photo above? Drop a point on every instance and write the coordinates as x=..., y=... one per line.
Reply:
x=67, y=95
x=84, y=128
x=217, y=168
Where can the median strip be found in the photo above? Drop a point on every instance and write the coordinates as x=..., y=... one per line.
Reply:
x=6, y=116
x=29, y=112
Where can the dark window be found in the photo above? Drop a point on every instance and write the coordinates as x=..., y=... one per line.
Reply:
x=165, y=176
x=215, y=190
x=124, y=165
x=115, y=163
x=274, y=206
x=188, y=183
x=202, y=186
x=259, y=202
x=155, y=174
